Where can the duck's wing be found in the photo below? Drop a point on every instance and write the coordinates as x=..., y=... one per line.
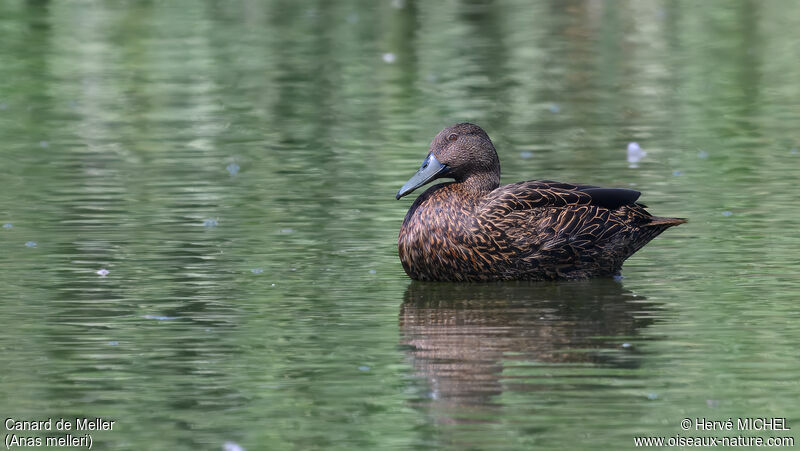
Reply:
x=546, y=193
x=561, y=225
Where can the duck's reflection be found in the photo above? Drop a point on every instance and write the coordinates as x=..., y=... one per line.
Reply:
x=471, y=342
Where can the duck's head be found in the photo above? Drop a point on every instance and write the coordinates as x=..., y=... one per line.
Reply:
x=462, y=152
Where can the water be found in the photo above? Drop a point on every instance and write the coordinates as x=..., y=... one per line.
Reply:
x=202, y=225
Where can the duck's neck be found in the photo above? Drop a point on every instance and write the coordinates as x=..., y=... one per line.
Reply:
x=481, y=183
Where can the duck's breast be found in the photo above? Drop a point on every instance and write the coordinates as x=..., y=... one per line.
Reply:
x=437, y=236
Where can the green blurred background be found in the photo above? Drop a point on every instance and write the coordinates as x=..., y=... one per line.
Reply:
x=232, y=165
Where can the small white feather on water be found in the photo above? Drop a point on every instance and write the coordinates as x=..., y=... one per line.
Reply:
x=635, y=154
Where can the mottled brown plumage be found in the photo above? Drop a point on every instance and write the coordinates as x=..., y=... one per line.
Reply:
x=473, y=229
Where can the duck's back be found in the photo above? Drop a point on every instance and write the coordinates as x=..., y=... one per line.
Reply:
x=529, y=230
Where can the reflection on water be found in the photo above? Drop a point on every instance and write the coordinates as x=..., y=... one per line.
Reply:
x=464, y=339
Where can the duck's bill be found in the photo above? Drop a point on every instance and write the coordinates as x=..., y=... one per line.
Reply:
x=431, y=169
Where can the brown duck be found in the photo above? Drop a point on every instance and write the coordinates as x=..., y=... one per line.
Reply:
x=473, y=229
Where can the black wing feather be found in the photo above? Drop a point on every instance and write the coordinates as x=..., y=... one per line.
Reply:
x=612, y=198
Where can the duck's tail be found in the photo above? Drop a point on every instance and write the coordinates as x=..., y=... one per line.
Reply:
x=651, y=229
x=665, y=222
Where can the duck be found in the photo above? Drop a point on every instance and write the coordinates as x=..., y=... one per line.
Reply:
x=472, y=229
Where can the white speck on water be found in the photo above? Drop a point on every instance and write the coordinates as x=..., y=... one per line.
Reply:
x=372, y=271
x=43, y=144
x=273, y=284
x=389, y=58
x=702, y=154
x=712, y=403
x=8, y=225
x=554, y=108
x=30, y=244
x=652, y=396
x=287, y=230
x=233, y=168
x=231, y=446
x=210, y=222
x=257, y=270
x=626, y=345
x=727, y=213
x=398, y=4
x=159, y=317
x=635, y=154
x=526, y=154
x=102, y=272
x=113, y=343
x=677, y=173
x=292, y=269
x=363, y=368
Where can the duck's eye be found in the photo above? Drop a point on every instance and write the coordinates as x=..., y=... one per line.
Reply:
x=452, y=137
